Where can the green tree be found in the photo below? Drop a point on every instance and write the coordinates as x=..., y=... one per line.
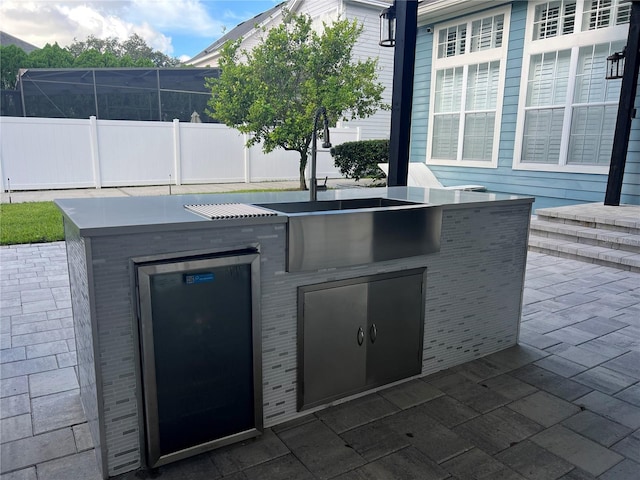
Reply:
x=89, y=59
x=273, y=91
x=136, y=48
x=91, y=53
x=133, y=52
x=107, y=45
x=51, y=56
x=12, y=58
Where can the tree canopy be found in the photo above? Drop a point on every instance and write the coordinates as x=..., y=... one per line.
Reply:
x=90, y=53
x=11, y=57
x=273, y=91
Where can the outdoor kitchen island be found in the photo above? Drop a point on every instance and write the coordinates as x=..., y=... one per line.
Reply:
x=453, y=296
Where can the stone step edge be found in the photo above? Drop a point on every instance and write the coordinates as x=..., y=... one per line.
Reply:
x=624, y=240
x=579, y=250
x=588, y=221
x=569, y=256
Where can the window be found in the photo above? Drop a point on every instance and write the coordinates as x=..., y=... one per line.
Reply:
x=605, y=13
x=466, y=98
x=487, y=33
x=451, y=41
x=554, y=18
x=594, y=108
x=567, y=109
x=546, y=94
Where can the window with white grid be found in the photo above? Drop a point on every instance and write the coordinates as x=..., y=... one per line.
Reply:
x=487, y=33
x=605, y=13
x=546, y=96
x=452, y=41
x=466, y=96
x=594, y=108
x=568, y=110
x=554, y=18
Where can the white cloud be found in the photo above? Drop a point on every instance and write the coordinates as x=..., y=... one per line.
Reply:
x=179, y=16
x=44, y=21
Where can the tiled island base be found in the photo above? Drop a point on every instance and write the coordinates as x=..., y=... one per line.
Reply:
x=472, y=308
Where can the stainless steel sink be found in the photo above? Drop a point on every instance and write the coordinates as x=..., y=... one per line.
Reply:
x=329, y=205
x=340, y=233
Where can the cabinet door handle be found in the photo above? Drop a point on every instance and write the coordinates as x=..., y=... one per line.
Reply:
x=360, y=335
x=373, y=333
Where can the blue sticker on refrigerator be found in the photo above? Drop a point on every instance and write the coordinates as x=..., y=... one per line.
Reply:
x=196, y=278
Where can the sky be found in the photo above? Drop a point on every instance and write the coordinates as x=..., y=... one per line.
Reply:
x=178, y=28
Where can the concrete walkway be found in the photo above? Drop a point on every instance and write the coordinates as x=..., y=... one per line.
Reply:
x=565, y=403
x=49, y=195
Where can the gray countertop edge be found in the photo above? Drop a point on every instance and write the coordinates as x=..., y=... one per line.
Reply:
x=493, y=203
x=125, y=216
x=171, y=227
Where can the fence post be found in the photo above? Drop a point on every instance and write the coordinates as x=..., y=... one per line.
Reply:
x=247, y=159
x=177, y=157
x=95, y=151
x=2, y=179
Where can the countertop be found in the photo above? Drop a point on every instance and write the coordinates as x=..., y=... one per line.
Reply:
x=118, y=215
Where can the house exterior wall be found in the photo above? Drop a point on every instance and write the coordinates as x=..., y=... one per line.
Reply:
x=551, y=188
x=378, y=125
x=631, y=181
x=251, y=40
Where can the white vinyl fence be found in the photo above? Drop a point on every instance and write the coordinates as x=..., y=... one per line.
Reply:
x=51, y=153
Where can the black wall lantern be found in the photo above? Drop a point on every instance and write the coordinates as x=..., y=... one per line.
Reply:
x=388, y=26
x=615, y=65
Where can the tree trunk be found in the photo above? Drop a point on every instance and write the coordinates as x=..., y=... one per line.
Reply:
x=303, y=166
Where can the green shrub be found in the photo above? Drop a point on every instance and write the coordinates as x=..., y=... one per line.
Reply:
x=360, y=159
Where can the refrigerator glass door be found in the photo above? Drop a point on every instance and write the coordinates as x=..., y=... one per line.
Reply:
x=199, y=338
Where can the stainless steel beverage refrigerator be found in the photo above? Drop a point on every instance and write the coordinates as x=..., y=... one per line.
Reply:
x=199, y=325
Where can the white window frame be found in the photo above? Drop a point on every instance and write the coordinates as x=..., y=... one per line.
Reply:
x=571, y=42
x=464, y=61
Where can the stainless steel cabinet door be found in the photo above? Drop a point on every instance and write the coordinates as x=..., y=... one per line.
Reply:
x=334, y=323
x=395, y=328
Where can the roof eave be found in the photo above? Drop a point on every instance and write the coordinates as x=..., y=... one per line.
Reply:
x=434, y=11
x=215, y=47
x=372, y=3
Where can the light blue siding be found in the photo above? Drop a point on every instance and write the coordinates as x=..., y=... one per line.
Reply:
x=421, y=89
x=549, y=188
x=631, y=181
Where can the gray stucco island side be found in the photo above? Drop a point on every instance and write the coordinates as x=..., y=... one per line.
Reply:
x=472, y=295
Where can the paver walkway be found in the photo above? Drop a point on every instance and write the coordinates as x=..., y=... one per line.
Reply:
x=563, y=404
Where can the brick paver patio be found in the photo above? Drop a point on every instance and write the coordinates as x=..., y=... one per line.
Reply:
x=565, y=403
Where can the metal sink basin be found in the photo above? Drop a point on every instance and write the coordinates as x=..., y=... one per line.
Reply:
x=329, y=205
x=341, y=233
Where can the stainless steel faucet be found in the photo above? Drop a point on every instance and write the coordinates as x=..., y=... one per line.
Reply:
x=326, y=143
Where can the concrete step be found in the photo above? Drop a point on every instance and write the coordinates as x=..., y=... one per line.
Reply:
x=621, y=259
x=599, y=237
x=623, y=218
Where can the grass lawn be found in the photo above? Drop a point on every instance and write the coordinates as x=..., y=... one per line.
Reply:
x=32, y=222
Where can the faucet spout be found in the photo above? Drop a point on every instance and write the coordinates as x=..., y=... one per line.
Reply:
x=326, y=143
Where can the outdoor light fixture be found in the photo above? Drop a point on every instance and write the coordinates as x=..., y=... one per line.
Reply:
x=615, y=65
x=388, y=26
